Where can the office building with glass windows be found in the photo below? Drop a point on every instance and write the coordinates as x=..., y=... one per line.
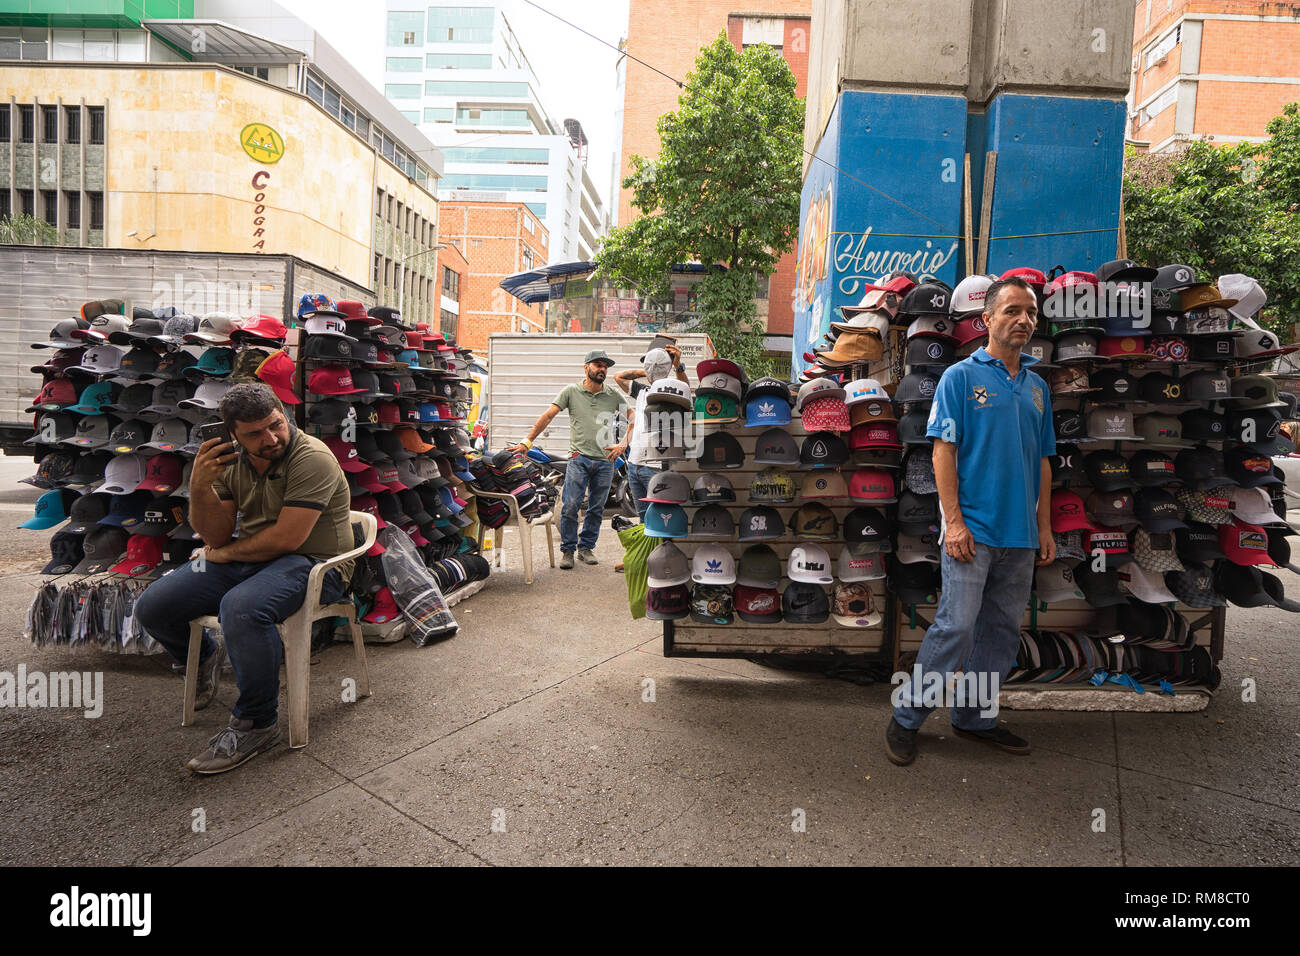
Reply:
x=460, y=74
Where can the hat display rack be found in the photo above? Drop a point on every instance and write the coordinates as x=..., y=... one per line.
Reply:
x=389, y=399
x=1124, y=390
x=125, y=391
x=753, y=555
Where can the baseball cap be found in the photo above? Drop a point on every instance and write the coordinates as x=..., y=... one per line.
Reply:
x=1248, y=468
x=713, y=564
x=161, y=473
x=1253, y=506
x=1068, y=513
x=712, y=487
x=759, y=567
x=775, y=447
x=918, y=472
x=867, y=526
x=873, y=485
x=805, y=603
x=598, y=355
x=1200, y=468
x=1113, y=509
x=824, y=483
x=668, y=604
x=874, y=434
x=822, y=450
x=1150, y=468
x=1107, y=471
x=765, y=408
x=53, y=428
x=757, y=605
x=1054, y=583
x=1111, y=542
x=1161, y=431
x=933, y=326
x=760, y=523
x=721, y=450
x=917, y=387
x=772, y=485
x=912, y=548
x=712, y=604
x=1156, y=550
x=811, y=563
x=1112, y=424
x=1194, y=587
x=278, y=371
x=1148, y=586
x=66, y=552
x=667, y=566
x=859, y=563
x=1210, y=506
x=665, y=521
x=668, y=487
x=103, y=548
x=1245, y=544
x=51, y=508
x=123, y=475
x=918, y=514
x=916, y=583
x=331, y=380
x=712, y=521
x=1065, y=464
x=716, y=408
x=854, y=606
x=143, y=553
x=1100, y=588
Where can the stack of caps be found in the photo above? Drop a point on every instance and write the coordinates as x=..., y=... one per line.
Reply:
x=858, y=338
x=721, y=390
x=1062, y=657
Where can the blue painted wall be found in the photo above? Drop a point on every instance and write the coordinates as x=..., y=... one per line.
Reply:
x=891, y=201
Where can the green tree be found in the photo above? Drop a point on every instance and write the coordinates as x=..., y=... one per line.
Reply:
x=723, y=192
x=23, y=230
x=1222, y=210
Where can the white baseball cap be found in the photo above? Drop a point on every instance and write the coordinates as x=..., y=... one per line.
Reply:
x=865, y=390
x=1249, y=294
x=669, y=391
x=1148, y=586
x=1253, y=506
x=860, y=566
x=810, y=563
x=124, y=473
x=321, y=324
x=968, y=297
x=713, y=564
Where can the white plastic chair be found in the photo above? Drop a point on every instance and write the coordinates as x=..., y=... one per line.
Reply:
x=525, y=528
x=295, y=632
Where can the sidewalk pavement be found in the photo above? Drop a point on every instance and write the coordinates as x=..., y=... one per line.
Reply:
x=525, y=740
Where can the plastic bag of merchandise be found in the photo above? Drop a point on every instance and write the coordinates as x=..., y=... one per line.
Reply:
x=414, y=589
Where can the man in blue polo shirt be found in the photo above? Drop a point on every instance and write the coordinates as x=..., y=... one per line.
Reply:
x=991, y=422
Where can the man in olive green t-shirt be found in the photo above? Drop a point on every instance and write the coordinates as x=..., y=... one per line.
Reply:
x=593, y=409
x=292, y=503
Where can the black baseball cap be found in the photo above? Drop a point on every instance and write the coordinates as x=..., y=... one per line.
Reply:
x=1065, y=464
x=918, y=514
x=1201, y=424
x=1120, y=270
x=761, y=523
x=1151, y=468
x=1200, y=468
x=916, y=583
x=805, y=603
x=1156, y=510
x=1107, y=471
x=1197, y=542
x=721, y=450
x=66, y=552
x=1113, y=385
x=867, y=525
x=1100, y=588
x=823, y=450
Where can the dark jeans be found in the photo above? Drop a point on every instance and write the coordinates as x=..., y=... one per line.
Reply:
x=638, y=478
x=249, y=599
x=592, y=476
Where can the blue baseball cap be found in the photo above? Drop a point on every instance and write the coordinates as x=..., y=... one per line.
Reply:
x=461, y=467
x=766, y=410
x=218, y=360
x=449, y=500
x=127, y=511
x=316, y=303
x=429, y=412
x=95, y=398
x=665, y=521
x=51, y=509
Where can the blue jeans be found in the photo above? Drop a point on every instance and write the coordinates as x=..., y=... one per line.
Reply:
x=593, y=476
x=976, y=629
x=249, y=599
x=638, y=479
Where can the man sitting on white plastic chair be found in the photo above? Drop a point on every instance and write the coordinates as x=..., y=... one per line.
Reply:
x=292, y=501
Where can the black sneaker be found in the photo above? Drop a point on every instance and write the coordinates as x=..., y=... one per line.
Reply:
x=900, y=743
x=234, y=745
x=209, y=677
x=999, y=737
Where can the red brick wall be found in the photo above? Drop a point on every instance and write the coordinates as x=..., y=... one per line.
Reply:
x=492, y=238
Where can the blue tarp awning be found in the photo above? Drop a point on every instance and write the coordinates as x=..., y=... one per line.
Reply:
x=535, y=284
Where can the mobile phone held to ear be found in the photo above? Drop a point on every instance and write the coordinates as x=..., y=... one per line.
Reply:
x=215, y=430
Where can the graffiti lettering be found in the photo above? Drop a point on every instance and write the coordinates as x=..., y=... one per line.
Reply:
x=813, y=263
x=856, y=265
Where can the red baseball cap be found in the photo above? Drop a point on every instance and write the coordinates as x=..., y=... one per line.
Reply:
x=57, y=393
x=346, y=453
x=825, y=415
x=278, y=371
x=162, y=473
x=1068, y=279
x=389, y=413
x=1121, y=346
x=143, y=553
x=384, y=608
x=355, y=311
x=413, y=532
x=1244, y=543
x=1068, y=513
x=415, y=340
x=1032, y=276
x=872, y=484
x=1111, y=542
x=874, y=434
x=968, y=330
x=757, y=604
x=368, y=479
x=262, y=327
x=726, y=366
x=332, y=380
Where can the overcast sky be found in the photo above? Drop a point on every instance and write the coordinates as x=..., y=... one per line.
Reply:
x=576, y=73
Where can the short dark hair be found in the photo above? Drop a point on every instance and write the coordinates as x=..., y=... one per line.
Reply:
x=991, y=294
x=248, y=402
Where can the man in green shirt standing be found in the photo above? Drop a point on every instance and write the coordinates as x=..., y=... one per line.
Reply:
x=594, y=409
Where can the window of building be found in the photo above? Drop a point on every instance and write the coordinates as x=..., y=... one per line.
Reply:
x=439, y=114
x=72, y=203
x=5, y=207
x=458, y=61
x=460, y=24
x=447, y=320
x=474, y=88
x=26, y=202
x=466, y=116
x=96, y=210
x=99, y=45
x=261, y=72
x=528, y=223
x=1157, y=106
x=49, y=124
x=1162, y=47
x=450, y=284
x=528, y=258
x=379, y=203
x=96, y=116
x=401, y=213
x=402, y=64
x=315, y=90
x=406, y=28
x=536, y=184
x=375, y=280
x=392, y=206
x=363, y=127
x=24, y=43
x=50, y=206
x=763, y=283
x=6, y=132
x=72, y=132
x=412, y=115
x=497, y=154
x=349, y=117
x=27, y=123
